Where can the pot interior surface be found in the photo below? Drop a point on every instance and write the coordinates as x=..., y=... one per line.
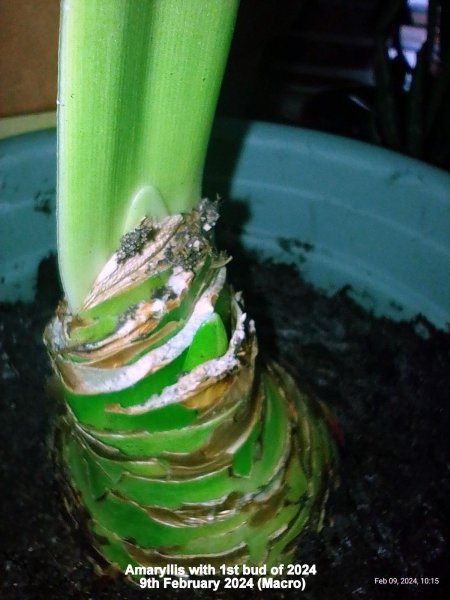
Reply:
x=346, y=213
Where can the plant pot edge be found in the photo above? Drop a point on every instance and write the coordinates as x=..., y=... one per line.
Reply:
x=328, y=224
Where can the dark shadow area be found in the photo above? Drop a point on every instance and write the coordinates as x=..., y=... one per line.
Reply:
x=372, y=70
x=223, y=156
x=227, y=140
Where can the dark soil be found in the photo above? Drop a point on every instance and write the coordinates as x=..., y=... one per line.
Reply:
x=387, y=383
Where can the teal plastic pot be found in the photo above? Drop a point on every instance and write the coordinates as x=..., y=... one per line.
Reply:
x=347, y=213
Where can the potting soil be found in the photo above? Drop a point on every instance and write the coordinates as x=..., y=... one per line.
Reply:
x=386, y=533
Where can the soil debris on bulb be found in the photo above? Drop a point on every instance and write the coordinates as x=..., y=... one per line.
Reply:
x=177, y=445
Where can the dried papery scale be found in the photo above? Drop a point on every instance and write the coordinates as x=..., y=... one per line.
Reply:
x=177, y=444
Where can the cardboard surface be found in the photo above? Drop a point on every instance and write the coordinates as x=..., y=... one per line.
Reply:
x=28, y=56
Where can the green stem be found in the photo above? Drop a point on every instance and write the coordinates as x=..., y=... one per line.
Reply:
x=138, y=87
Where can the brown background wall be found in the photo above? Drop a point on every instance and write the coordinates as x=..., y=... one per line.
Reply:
x=28, y=55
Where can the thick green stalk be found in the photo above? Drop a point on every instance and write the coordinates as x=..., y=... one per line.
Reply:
x=138, y=86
